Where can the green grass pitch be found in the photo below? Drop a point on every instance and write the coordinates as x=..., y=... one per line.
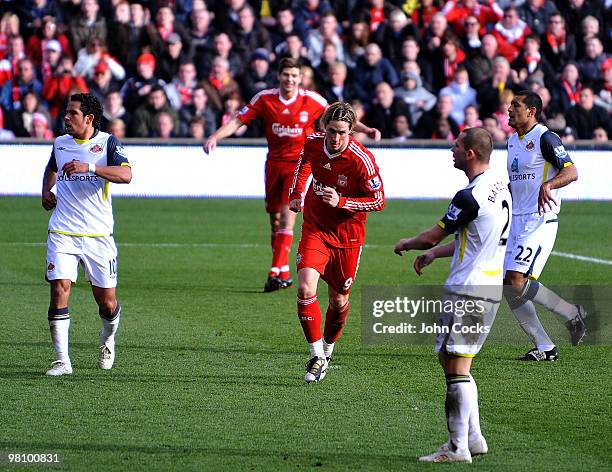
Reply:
x=209, y=370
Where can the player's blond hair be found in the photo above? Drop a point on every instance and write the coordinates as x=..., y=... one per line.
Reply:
x=340, y=111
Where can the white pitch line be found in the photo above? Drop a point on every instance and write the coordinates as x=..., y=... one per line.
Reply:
x=594, y=260
x=566, y=255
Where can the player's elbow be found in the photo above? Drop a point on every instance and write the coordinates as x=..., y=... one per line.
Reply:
x=574, y=174
x=126, y=178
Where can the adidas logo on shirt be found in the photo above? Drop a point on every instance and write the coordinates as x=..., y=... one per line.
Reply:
x=327, y=166
x=286, y=111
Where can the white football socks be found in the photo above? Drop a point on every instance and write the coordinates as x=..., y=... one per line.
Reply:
x=109, y=328
x=474, y=424
x=316, y=349
x=553, y=302
x=328, y=349
x=530, y=323
x=59, y=337
x=460, y=402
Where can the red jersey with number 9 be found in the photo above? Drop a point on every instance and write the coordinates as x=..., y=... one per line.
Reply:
x=355, y=176
x=286, y=122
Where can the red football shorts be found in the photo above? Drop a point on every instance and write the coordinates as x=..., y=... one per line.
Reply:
x=279, y=178
x=337, y=266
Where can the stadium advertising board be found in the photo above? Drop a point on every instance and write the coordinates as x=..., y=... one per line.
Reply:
x=231, y=171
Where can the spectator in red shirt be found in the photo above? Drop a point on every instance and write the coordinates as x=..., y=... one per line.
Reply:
x=155, y=35
x=510, y=33
x=457, y=12
x=8, y=65
x=446, y=64
x=422, y=13
x=38, y=42
x=57, y=88
x=567, y=91
x=558, y=46
x=9, y=26
x=12, y=91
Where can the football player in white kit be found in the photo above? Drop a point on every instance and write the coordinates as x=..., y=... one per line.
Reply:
x=479, y=216
x=538, y=166
x=83, y=163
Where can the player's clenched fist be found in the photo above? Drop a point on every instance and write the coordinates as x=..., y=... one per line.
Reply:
x=48, y=200
x=295, y=205
x=75, y=167
x=330, y=196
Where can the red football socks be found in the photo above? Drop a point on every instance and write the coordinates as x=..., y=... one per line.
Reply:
x=280, y=252
x=309, y=314
x=334, y=323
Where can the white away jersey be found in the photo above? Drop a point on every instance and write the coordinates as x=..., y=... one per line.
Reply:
x=532, y=160
x=479, y=215
x=83, y=200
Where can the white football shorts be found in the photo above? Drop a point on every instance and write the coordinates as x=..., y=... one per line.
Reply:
x=531, y=240
x=98, y=256
x=464, y=329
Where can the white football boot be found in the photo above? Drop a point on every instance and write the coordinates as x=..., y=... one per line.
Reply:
x=444, y=454
x=60, y=368
x=106, y=359
x=315, y=370
x=478, y=447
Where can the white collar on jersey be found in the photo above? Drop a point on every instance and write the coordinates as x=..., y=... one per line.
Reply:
x=291, y=100
x=331, y=156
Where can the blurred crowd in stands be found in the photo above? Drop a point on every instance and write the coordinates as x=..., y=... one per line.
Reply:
x=412, y=68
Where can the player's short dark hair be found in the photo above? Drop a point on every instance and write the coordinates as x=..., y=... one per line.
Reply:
x=340, y=111
x=531, y=100
x=480, y=141
x=90, y=105
x=288, y=63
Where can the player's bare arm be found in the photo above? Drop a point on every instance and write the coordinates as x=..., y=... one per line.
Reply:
x=372, y=133
x=437, y=252
x=566, y=176
x=48, y=197
x=115, y=174
x=426, y=240
x=226, y=130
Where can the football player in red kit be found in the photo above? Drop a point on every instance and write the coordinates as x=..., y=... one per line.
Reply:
x=288, y=114
x=345, y=186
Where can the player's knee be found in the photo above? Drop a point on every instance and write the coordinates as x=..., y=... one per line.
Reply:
x=60, y=289
x=514, y=279
x=107, y=304
x=275, y=221
x=338, y=302
x=518, y=294
x=306, y=290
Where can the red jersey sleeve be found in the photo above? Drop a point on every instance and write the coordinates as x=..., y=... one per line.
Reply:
x=252, y=111
x=369, y=182
x=300, y=177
